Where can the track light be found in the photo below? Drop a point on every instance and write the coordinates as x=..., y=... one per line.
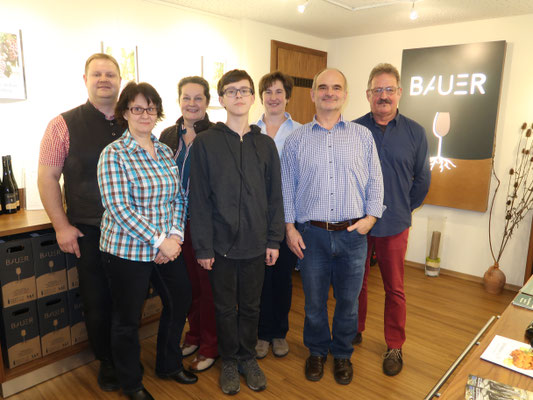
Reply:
x=302, y=7
x=413, y=14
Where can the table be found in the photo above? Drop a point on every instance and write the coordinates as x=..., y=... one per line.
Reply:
x=511, y=324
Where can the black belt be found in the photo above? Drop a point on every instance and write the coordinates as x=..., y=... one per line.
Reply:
x=334, y=226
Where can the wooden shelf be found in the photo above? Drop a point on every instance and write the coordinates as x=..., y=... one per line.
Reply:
x=24, y=221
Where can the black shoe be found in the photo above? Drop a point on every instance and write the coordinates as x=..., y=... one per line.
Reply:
x=185, y=377
x=392, y=362
x=142, y=394
x=342, y=371
x=107, y=378
x=314, y=368
x=358, y=338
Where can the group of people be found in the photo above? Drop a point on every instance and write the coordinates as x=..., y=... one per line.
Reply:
x=215, y=216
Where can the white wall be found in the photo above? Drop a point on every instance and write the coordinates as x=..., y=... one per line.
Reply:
x=465, y=245
x=59, y=35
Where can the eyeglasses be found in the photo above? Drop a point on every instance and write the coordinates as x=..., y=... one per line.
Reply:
x=389, y=90
x=141, y=110
x=232, y=92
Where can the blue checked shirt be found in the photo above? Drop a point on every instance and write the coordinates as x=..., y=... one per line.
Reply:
x=331, y=176
x=142, y=198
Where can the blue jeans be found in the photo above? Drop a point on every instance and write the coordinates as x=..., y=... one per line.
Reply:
x=338, y=259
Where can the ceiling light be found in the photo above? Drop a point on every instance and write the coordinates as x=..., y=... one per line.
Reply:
x=413, y=14
x=302, y=7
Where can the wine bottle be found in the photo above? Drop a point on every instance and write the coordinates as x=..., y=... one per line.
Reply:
x=9, y=199
x=14, y=181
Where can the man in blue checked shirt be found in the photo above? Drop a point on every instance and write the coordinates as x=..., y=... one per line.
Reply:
x=332, y=195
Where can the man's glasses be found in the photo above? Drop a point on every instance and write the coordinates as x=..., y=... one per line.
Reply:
x=232, y=92
x=140, y=110
x=389, y=90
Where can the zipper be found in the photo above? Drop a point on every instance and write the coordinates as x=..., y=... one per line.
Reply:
x=240, y=199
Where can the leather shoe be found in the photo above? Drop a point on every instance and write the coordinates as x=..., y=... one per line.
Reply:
x=314, y=368
x=342, y=371
x=142, y=394
x=107, y=378
x=185, y=377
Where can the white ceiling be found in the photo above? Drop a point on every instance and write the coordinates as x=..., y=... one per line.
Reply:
x=329, y=21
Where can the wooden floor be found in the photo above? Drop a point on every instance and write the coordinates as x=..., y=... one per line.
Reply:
x=443, y=315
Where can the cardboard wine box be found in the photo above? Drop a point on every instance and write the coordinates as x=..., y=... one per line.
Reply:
x=53, y=322
x=72, y=271
x=153, y=304
x=49, y=264
x=20, y=334
x=17, y=275
x=78, y=330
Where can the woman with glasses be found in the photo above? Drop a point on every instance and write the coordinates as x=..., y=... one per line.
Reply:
x=142, y=232
x=193, y=92
x=275, y=91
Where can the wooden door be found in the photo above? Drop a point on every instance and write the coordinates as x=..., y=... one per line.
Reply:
x=302, y=64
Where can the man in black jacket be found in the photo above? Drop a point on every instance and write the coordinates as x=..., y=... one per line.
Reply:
x=237, y=224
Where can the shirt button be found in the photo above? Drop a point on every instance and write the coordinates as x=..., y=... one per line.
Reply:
x=111, y=124
x=113, y=134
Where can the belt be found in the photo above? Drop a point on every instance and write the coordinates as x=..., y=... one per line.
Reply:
x=334, y=226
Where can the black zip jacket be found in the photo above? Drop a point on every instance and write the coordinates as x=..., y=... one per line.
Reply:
x=235, y=200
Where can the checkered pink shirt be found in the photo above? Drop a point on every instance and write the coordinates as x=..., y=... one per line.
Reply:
x=55, y=143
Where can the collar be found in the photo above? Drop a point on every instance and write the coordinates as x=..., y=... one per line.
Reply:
x=261, y=122
x=132, y=146
x=199, y=126
x=107, y=117
x=395, y=119
x=315, y=123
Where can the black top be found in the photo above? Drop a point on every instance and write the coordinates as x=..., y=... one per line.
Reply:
x=235, y=200
x=89, y=132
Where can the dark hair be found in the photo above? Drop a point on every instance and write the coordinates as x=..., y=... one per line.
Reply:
x=199, y=81
x=383, y=68
x=269, y=79
x=128, y=95
x=235, y=75
x=101, y=56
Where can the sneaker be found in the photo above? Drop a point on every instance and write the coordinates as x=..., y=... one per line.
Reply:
x=201, y=363
x=229, y=377
x=261, y=349
x=255, y=378
x=392, y=362
x=357, y=339
x=280, y=347
x=188, y=349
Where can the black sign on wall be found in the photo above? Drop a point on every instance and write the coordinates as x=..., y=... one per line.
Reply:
x=453, y=91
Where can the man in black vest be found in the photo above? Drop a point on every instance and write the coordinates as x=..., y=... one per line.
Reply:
x=71, y=146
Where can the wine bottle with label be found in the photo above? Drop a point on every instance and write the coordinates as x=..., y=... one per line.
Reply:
x=14, y=181
x=9, y=198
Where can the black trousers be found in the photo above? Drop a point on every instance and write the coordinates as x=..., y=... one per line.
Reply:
x=129, y=282
x=276, y=296
x=236, y=288
x=95, y=292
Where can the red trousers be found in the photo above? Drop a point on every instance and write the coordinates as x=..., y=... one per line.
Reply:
x=202, y=326
x=390, y=254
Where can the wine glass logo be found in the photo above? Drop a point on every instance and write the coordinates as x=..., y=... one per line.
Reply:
x=441, y=127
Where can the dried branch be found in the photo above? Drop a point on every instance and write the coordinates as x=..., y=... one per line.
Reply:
x=519, y=200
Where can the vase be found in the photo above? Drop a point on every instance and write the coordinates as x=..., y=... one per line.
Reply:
x=494, y=279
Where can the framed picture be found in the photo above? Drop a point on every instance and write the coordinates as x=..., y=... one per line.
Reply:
x=212, y=70
x=12, y=78
x=127, y=60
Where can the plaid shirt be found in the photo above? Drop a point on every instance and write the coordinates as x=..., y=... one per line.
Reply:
x=142, y=198
x=331, y=176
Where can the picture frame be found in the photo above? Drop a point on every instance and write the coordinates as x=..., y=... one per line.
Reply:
x=12, y=72
x=127, y=58
x=212, y=70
